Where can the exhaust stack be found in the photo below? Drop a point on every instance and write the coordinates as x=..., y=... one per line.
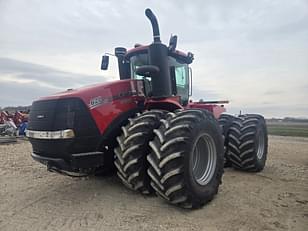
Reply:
x=158, y=57
x=155, y=27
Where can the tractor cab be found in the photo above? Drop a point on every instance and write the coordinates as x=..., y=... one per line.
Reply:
x=180, y=73
x=164, y=70
x=135, y=59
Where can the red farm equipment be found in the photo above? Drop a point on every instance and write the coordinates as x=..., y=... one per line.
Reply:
x=11, y=125
x=8, y=129
x=145, y=128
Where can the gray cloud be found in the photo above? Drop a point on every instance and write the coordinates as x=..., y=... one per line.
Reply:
x=273, y=92
x=43, y=74
x=22, y=82
x=80, y=26
x=17, y=94
x=246, y=51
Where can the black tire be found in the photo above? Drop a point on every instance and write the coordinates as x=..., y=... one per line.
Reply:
x=248, y=143
x=171, y=160
x=130, y=155
x=225, y=121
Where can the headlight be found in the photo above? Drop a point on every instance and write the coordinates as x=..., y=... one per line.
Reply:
x=62, y=134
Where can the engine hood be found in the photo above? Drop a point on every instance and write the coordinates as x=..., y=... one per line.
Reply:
x=104, y=101
x=100, y=89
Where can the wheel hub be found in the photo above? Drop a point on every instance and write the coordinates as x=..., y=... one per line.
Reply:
x=261, y=145
x=204, y=159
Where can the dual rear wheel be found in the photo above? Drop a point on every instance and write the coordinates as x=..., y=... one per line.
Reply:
x=246, y=141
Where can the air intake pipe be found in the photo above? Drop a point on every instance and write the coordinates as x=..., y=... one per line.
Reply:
x=124, y=68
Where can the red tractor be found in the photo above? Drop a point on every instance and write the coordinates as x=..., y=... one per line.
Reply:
x=144, y=127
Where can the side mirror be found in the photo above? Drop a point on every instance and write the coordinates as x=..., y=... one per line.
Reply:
x=105, y=62
x=147, y=70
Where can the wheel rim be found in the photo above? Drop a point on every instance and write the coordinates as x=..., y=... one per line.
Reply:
x=204, y=159
x=261, y=145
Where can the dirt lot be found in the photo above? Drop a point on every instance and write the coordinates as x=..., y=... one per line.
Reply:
x=33, y=199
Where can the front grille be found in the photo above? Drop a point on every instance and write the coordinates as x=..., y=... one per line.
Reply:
x=61, y=114
x=54, y=115
x=41, y=116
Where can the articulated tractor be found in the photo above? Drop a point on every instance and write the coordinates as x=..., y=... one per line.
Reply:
x=145, y=128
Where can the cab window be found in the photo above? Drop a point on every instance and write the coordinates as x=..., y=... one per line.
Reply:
x=182, y=79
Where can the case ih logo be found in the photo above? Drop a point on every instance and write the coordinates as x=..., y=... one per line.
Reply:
x=99, y=100
x=96, y=102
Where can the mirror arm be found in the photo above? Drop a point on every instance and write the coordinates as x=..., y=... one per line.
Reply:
x=110, y=54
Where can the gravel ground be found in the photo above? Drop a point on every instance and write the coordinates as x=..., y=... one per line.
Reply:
x=33, y=199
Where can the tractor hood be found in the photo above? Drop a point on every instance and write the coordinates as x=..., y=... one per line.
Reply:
x=108, y=90
x=107, y=100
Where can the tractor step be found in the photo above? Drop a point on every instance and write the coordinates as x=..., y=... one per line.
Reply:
x=78, y=162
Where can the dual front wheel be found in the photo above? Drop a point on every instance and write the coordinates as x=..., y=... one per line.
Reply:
x=186, y=160
x=177, y=155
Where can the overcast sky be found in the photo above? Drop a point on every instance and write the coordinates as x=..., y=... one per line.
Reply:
x=253, y=53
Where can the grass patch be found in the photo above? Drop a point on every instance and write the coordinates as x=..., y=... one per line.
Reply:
x=288, y=129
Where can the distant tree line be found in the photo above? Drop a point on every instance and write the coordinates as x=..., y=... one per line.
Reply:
x=289, y=119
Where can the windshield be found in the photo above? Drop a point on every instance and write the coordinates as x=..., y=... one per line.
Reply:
x=181, y=73
x=137, y=61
